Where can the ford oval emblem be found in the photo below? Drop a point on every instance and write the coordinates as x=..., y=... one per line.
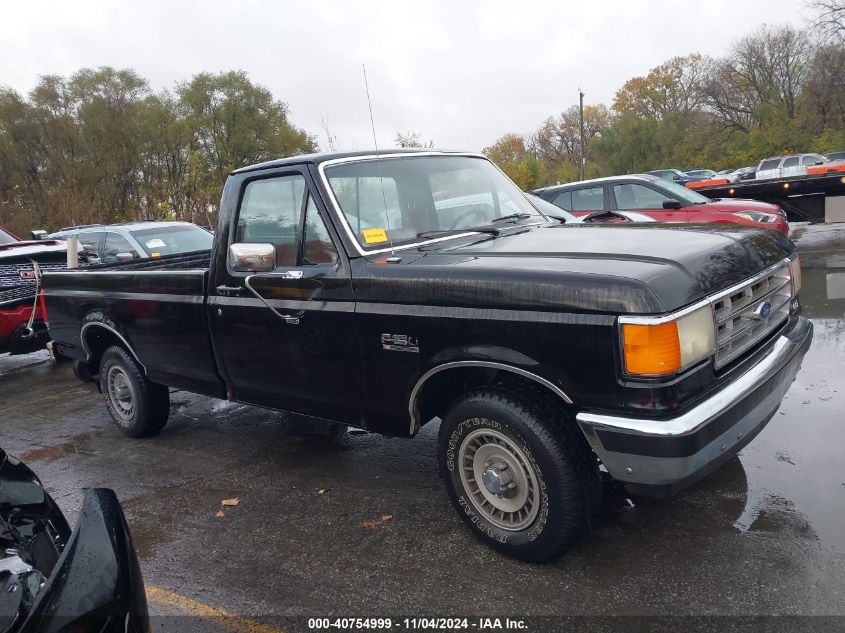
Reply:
x=762, y=311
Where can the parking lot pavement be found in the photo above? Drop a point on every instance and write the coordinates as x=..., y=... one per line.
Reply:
x=356, y=524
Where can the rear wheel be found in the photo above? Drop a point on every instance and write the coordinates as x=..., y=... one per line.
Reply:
x=518, y=472
x=138, y=406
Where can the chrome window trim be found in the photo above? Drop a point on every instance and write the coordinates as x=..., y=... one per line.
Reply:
x=412, y=401
x=85, y=347
x=321, y=168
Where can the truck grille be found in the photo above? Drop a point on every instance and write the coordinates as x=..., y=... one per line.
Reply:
x=16, y=294
x=741, y=318
x=13, y=288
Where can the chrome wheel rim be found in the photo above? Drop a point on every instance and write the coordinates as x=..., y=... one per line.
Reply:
x=121, y=393
x=500, y=481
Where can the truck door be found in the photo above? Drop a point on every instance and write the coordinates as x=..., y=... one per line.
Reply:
x=284, y=337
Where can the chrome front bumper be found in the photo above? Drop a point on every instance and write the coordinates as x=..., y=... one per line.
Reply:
x=663, y=456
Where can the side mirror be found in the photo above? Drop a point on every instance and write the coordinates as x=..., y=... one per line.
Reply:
x=676, y=177
x=39, y=234
x=252, y=258
x=124, y=257
x=671, y=204
x=819, y=162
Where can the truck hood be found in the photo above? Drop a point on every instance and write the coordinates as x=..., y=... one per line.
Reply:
x=617, y=269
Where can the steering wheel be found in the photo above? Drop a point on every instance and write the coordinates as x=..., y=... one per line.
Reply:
x=478, y=212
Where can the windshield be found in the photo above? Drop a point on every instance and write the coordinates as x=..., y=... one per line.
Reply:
x=170, y=240
x=410, y=199
x=550, y=209
x=679, y=192
x=5, y=238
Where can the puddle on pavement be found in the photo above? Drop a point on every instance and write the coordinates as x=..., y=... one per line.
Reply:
x=823, y=293
x=55, y=451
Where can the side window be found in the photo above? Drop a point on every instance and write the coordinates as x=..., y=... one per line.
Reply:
x=772, y=163
x=564, y=201
x=317, y=248
x=811, y=159
x=116, y=244
x=270, y=212
x=631, y=196
x=90, y=241
x=792, y=161
x=591, y=199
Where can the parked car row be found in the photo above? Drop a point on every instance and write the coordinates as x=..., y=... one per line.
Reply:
x=785, y=166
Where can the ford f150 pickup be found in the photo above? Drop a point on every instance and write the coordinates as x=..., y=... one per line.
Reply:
x=388, y=290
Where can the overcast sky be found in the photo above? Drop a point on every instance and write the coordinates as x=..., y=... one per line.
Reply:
x=458, y=72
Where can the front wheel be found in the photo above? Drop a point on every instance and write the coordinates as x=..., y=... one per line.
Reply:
x=139, y=407
x=518, y=472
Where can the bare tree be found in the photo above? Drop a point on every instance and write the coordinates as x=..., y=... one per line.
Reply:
x=830, y=18
x=331, y=139
x=412, y=139
x=766, y=68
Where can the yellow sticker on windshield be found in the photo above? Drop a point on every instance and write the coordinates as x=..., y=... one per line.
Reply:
x=374, y=236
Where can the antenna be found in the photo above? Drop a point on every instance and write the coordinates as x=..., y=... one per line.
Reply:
x=378, y=160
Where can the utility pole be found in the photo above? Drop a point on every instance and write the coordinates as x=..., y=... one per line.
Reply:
x=581, y=121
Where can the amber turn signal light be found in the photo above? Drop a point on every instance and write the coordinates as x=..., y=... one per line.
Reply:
x=651, y=350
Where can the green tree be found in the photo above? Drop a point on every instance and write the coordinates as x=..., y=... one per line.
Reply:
x=513, y=157
x=234, y=123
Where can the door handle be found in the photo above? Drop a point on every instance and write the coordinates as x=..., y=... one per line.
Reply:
x=287, y=318
x=229, y=291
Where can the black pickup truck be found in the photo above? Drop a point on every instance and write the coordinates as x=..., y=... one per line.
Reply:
x=386, y=290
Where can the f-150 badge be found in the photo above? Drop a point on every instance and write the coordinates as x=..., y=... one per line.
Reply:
x=400, y=343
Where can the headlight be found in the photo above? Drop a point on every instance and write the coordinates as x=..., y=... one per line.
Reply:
x=757, y=216
x=795, y=269
x=656, y=347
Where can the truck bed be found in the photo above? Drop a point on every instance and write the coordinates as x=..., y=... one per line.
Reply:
x=157, y=306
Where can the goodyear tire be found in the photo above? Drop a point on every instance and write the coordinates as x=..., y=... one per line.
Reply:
x=518, y=472
x=139, y=408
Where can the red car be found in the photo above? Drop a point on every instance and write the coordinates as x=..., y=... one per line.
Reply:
x=19, y=335
x=663, y=200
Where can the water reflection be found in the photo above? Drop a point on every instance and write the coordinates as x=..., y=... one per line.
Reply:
x=823, y=293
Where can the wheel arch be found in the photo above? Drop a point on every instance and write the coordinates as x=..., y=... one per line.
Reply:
x=435, y=390
x=97, y=337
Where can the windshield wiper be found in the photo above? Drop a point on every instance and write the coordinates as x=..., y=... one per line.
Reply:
x=439, y=232
x=512, y=216
x=492, y=230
